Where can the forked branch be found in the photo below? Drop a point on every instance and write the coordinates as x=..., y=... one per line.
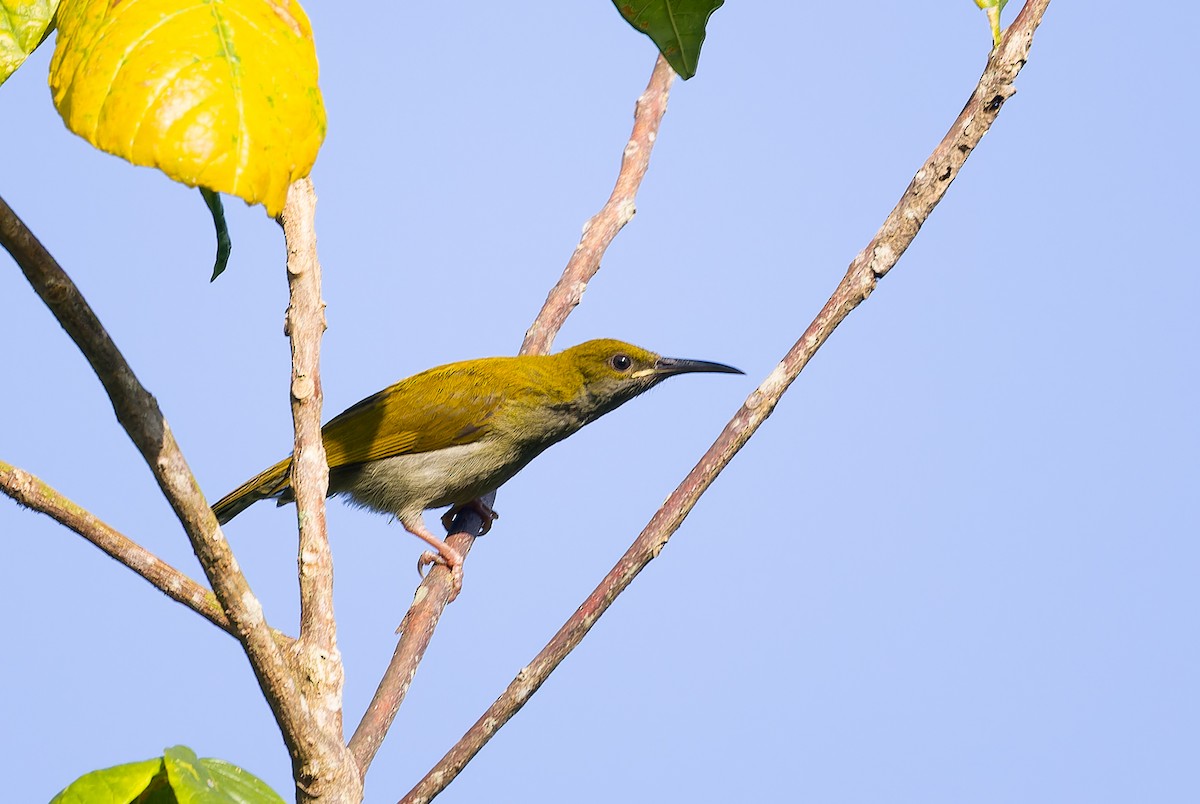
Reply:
x=139, y=414
x=899, y=229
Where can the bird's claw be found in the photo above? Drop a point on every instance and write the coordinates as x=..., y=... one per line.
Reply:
x=452, y=562
x=427, y=560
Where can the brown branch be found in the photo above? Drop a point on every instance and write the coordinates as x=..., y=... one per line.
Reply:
x=35, y=494
x=893, y=238
x=434, y=593
x=416, y=631
x=602, y=228
x=323, y=768
x=138, y=412
x=304, y=326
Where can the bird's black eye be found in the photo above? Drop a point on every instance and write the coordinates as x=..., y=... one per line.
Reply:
x=621, y=362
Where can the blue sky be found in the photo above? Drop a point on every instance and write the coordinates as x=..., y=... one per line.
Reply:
x=959, y=562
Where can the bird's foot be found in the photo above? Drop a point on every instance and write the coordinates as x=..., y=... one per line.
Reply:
x=447, y=557
x=485, y=511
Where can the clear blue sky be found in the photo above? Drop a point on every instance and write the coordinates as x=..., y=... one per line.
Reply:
x=959, y=563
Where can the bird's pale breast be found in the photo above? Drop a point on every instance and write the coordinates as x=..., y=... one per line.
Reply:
x=408, y=484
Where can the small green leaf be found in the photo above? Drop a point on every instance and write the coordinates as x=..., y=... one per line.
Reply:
x=117, y=785
x=23, y=26
x=676, y=26
x=224, y=244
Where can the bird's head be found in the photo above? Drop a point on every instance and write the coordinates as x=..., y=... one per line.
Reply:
x=614, y=372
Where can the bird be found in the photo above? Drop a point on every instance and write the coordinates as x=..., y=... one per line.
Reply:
x=451, y=434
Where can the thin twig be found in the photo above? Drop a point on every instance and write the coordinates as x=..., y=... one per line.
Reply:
x=894, y=236
x=416, y=631
x=138, y=412
x=34, y=493
x=433, y=594
x=602, y=228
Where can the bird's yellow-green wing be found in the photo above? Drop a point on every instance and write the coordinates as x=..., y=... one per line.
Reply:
x=443, y=407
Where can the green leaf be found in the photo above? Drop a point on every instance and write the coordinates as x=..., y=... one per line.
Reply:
x=23, y=26
x=675, y=26
x=212, y=781
x=215, y=93
x=240, y=785
x=224, y=243
x=118, y=785
x=177, y=777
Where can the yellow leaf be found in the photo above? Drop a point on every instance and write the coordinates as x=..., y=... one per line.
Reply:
x=23, y=25
x=217, y=93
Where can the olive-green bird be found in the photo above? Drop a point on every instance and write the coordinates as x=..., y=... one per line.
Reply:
x=449, y=435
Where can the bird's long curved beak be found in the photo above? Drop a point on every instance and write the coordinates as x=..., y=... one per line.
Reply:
x=670, y=366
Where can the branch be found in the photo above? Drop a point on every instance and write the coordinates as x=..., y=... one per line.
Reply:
x=601, y=229
x=323, y=768
x=138, y=412
x=304, y=326
x=36, y=495
x=893, y=238
x=434, y=593
x=416, y=631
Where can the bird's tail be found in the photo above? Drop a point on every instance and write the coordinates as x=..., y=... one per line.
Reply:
x=271, y=483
